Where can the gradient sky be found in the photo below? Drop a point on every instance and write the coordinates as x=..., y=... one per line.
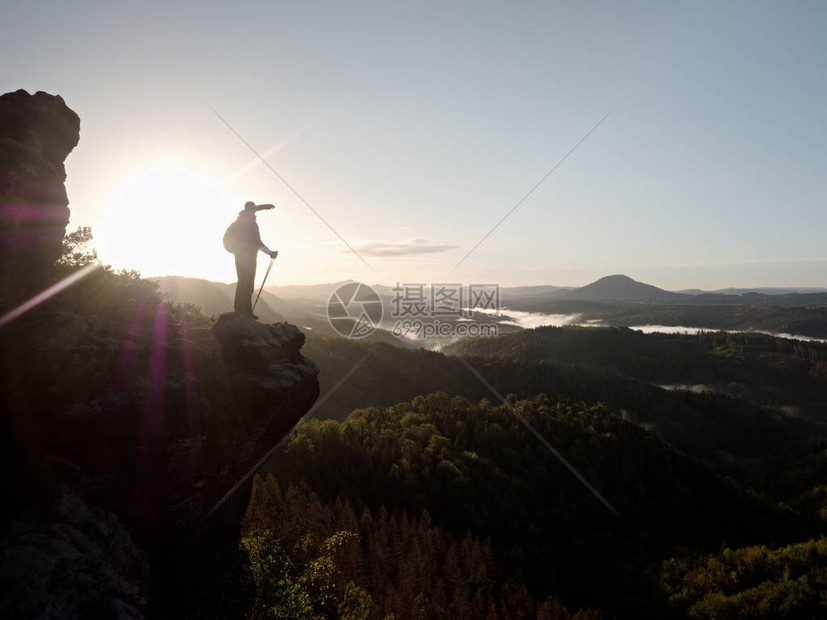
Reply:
x=412, y=128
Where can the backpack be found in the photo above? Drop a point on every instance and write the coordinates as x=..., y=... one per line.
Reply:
x=232, y=241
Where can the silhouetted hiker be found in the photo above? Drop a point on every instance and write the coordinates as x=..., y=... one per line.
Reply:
x=244, y=240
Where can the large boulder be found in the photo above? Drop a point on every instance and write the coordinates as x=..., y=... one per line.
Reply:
x=37, y=132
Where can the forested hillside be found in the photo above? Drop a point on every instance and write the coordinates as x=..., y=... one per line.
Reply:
x=733, y=432
x=751, y=582
x=372, y=564
x=409, y=503
x=784, y=373
x=473, y=469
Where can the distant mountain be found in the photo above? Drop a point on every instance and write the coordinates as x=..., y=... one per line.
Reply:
x=616, y=299
x=323, y=291
x=213, y=298
x=620, y=288
x=306, y=291
x=770, y=290
x=609, y=289
x=761, y=290
x=530, y=292
x=789, y=300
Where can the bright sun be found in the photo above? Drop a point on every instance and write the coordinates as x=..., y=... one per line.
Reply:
x=168, y=220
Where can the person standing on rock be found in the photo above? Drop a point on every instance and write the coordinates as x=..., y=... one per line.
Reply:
x=244, y=241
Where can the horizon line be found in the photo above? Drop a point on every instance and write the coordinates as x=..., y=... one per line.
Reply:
x=813, y=287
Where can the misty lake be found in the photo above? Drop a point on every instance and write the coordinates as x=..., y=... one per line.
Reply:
x=529, y=320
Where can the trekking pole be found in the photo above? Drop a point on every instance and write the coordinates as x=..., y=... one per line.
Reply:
x=272, y=260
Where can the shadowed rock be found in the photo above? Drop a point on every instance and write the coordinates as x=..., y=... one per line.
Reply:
x=161, y=419
x=37, y=132
x=78, y=563
x=151, y=420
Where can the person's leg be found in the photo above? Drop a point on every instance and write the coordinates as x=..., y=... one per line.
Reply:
x=238, y=302
x=245, y=267
x=251, y=285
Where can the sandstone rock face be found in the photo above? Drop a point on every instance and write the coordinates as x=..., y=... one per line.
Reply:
x=37, y=132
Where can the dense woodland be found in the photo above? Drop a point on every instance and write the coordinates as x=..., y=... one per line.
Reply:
x=473, y=469
x=696, y=475
x=372, y=564
x=585, y=363
x=780, y=372
x=734, y=433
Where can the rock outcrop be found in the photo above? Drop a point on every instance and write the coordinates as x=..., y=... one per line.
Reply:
x=161, y=419
x=37, y=132
x=123, y=418
x=147, y=418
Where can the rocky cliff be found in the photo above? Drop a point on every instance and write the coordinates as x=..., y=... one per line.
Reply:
x=37, y=132
x=159, y=418
x=125, y=419
x=147, y=418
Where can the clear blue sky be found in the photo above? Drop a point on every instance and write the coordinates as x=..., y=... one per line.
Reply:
x=429, y=120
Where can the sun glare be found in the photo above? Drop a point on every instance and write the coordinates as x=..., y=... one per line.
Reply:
x=168, y=220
